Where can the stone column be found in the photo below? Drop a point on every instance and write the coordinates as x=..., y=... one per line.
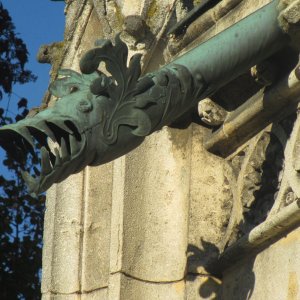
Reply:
x=149, y=224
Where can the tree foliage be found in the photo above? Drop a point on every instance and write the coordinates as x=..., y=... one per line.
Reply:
x=21, y=220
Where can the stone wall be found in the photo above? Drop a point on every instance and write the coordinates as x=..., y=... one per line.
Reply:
x=153, y=223
x=272, y=274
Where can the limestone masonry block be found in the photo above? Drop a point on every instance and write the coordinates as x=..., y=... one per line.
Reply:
x=134, y=289
x=156, y=201
x=96, y=227
x=67, y=235
x=272, y=274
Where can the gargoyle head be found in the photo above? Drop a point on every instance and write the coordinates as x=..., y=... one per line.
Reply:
x=94, y=120
x=99, y=117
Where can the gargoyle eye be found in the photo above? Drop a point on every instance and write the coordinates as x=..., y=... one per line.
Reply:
x=84, y=106
x=73, y=89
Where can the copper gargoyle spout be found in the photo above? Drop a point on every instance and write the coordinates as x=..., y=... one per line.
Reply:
x=98, y=118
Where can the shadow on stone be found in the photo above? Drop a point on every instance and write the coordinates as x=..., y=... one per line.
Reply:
x=202, y=271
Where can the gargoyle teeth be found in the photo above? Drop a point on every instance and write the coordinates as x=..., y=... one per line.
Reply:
x=63, y=126
x=26, y=135
x=39, y=136
x=74, y=145
x=50, y=144
x=48, y=131
x=46, y=167
x=64, y=150
x=75, y=131
x=58, y=160
x=30, y=181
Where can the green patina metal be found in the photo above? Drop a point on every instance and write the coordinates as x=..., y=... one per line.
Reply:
x=98, y=118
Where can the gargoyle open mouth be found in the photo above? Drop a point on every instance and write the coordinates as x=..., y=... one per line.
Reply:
x=60, y=144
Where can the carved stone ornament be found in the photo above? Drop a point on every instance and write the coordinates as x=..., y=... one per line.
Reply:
x=266, y=177
x=99, y=117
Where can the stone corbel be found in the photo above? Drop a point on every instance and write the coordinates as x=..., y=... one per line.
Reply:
x=101, y=116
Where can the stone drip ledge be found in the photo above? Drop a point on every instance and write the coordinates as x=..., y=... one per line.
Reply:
x=274, y=228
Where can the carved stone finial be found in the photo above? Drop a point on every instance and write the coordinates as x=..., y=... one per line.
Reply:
x=135, y=26
x=289, y=19
x=211, y=113
x=49, y=54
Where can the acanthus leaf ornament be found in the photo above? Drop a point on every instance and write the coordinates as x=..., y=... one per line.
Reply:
x=128, y=95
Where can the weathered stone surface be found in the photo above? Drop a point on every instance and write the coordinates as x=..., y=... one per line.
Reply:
x=290, y=19
x=122, y=287
x=116, y=245
x=291, y=15
x=100, y=294
x=203, y=287
x=49, y=220
x=61, y=297
x=96, y=228
x=211, y=113
x=210, y=204
x=156, y=207
x=114, y=289
x=135, y=289
x=66, y=232
x=272, y=274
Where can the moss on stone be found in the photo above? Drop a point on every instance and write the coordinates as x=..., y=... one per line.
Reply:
x=152, y=9
x=197, y=2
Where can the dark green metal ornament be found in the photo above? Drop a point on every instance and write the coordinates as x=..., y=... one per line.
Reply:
x=99, y=118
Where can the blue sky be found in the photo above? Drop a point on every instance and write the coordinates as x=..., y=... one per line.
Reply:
x=37, y=22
